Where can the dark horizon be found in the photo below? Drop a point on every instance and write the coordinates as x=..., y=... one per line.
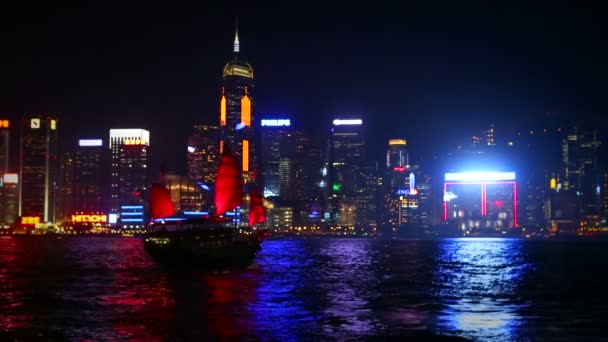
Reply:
x=416, y=72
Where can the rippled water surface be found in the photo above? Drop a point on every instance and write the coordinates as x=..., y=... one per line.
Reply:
x=321, y=289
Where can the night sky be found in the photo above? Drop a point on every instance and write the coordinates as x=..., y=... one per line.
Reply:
x=433, y=74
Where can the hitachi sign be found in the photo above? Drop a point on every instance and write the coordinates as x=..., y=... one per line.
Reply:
x=96, y=218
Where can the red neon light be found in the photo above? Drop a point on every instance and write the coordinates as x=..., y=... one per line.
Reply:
x=445, y=203
x=483, y=200
x=515, y=204
x=399, y=168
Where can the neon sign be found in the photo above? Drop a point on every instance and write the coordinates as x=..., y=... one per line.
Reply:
x=276, y=122
x=397, y=142
x=480, y=176
x=30, y=220
x=338, y=122
x=4, y=124
x=93, y=218
x=10, y=178
x=90, y=142
x=407, y=191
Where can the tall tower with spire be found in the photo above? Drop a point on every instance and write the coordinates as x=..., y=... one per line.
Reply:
x=236, y=112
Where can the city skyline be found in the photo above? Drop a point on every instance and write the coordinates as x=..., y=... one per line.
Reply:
x=400, y=68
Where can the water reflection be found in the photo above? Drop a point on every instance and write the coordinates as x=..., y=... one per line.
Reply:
x=14, y=285
x=285, y=300
x=349, y=280
x=476, y=282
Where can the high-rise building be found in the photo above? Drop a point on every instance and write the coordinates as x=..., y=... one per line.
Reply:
x=90, y=170
x=277, y=148
x=203, y=154
x=65, y=185
x=9, y=198
x=186, y=194
x=350, y=179
x=38, y=168
x=5, y=208
x=291, y=169
x=129, y=172
x=605, y=195
x=580, y=171
x=237, y=116
x=397, y=154
x=4, y=145
x=489, y=135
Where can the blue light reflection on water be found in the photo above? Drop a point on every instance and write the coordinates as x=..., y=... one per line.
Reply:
x=318, y=289
x=476, y=281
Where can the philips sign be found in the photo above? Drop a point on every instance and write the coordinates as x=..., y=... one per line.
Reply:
x=276, y=122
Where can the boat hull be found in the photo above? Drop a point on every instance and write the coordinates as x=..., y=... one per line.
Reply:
x=203, y=247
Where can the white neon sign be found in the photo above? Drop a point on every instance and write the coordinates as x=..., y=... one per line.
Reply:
x=90, y=142
x=479, y=176
x=276, y=122
x=338, y=122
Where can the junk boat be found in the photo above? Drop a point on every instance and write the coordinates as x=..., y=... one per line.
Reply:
x=213, y=240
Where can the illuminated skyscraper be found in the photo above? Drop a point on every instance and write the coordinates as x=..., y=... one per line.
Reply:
x=581, y=172
x=187, y=195
x=489, y=135
x=4, y=145
x=9, y=198
x=90, y=161
x=129, y=172
x=276, y=149
x=397, y=155
x=203, y=153
x=396, y=184
x=38, y=167
x=351, y=181
x=4, y=168
x=236, y=113
x=65, y=186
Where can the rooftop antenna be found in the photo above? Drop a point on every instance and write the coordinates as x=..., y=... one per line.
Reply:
x=236, y=35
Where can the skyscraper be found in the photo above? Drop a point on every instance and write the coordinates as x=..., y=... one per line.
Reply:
x=275, y=144
x=4, y=166
x=187, y=195
x=38, y=167
x=397, y=155
x=65, y=186
x=203, y=154
x=236, y=113
x=129, y=171
x=580, y=171
x=351, y=197
x=90, y=162
x=9, y=198
x=4, y=145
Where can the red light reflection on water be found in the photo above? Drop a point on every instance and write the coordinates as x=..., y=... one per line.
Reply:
x=226, y=305
x=16, y=264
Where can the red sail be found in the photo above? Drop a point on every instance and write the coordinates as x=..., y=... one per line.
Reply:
x=160, y=202
x=256, y=207
x=228, y=183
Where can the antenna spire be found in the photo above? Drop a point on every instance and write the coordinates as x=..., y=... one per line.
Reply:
x=236, y=36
